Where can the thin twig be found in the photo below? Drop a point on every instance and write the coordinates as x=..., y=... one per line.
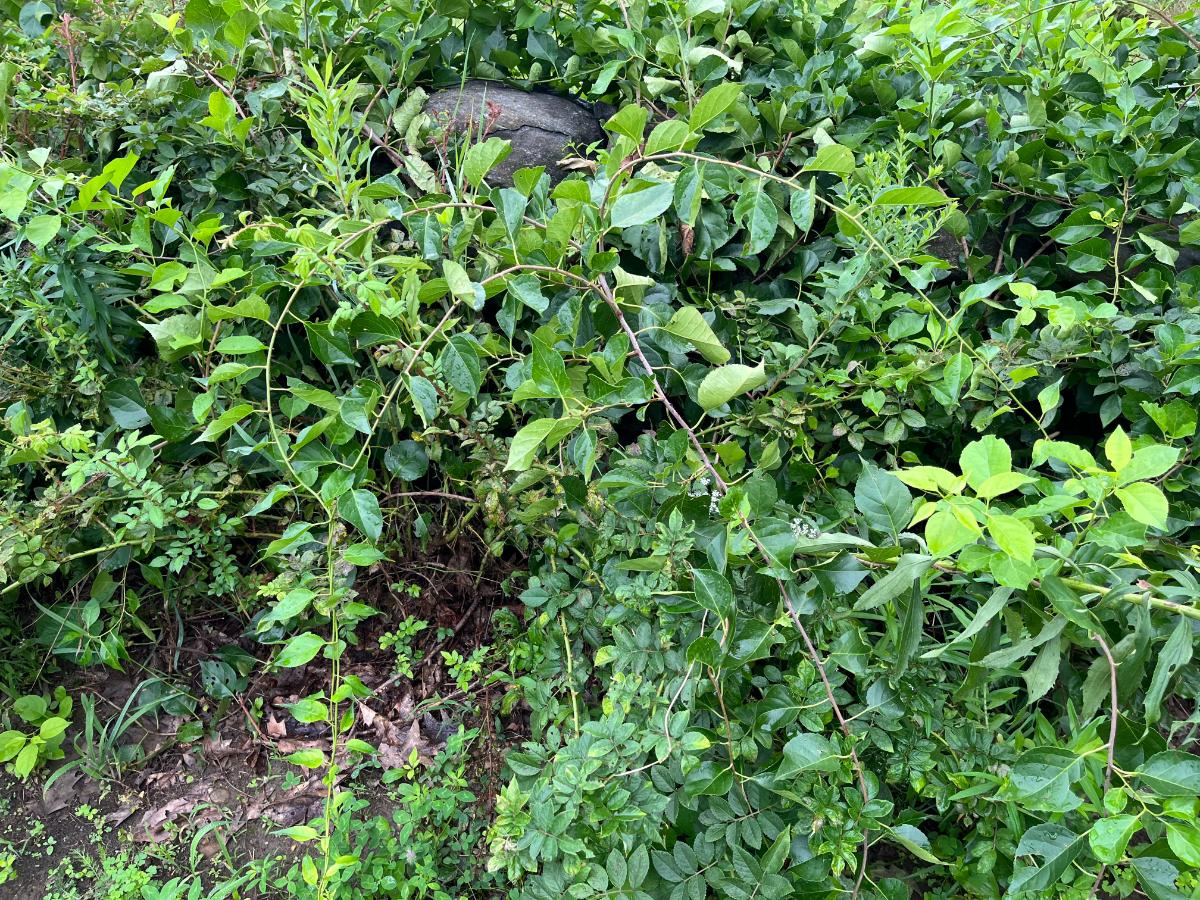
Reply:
x=444, y=494
x=224, y=89
x=395, y=158
x=1111, y=746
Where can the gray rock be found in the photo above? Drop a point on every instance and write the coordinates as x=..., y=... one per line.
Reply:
x=543, y=128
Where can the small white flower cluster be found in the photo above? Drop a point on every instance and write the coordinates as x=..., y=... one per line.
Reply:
x=699, y=487
x=714, y=504
x=804, y=531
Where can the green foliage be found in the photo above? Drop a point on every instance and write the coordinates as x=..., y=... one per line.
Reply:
x=41, y=725
x=843, y=419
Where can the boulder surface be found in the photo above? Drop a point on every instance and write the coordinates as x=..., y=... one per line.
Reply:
x=543, y=128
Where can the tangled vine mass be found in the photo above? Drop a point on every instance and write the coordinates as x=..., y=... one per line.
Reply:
x=631, y=448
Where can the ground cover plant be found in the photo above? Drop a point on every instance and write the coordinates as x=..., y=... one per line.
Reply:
x=794, y=496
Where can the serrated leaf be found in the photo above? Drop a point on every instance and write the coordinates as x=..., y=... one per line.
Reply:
x=883, y=499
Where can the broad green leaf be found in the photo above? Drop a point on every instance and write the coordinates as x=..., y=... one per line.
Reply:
x=1184, y=840
x=526, y=442
x=667, y=136
x=239, y=345
x=460, y=285
x=481, y=158
x=832, y=158
x=1175, y=420
x=11, y=743
x=957, y=372
x=946, y=534
x=639, y=866
x=1012, y=535
x=714, y=102
x=309, y=758
x=1145, y=503
x=630, y=121
x=299, y=650
x=883, y=499
x=1157, y=877
x=360, y=508
x=807, y=753
x=301, y=833
x=528, y=290
x=1071, y=454
x=915, y=842
x=1148, y=463
x=126, y=404
x=52, y=728
x=1172, y=773
x=1110, y=836
x=41, y=230
x=1056, y=847
x=911, y=196
x=982, y=459
x=1042, y=778
x=640, y=203
x=1066, y=602
x=803, y=206
x=1001, y=483
x=688, y=324
x=459, y=363
x=425, y=398
x=31, y=708
x=756, y=212
x=930, y=478
x=290, y=606
x=722, y=385
x=713, y=592
x=26, y=761
x=309, y=709
x=224, y=422
x=406, y=460
x=1118, y=449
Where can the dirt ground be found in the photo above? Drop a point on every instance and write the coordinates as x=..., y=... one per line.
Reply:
x=201, y=785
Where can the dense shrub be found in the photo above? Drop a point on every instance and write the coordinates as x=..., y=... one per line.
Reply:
x=841, y=412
